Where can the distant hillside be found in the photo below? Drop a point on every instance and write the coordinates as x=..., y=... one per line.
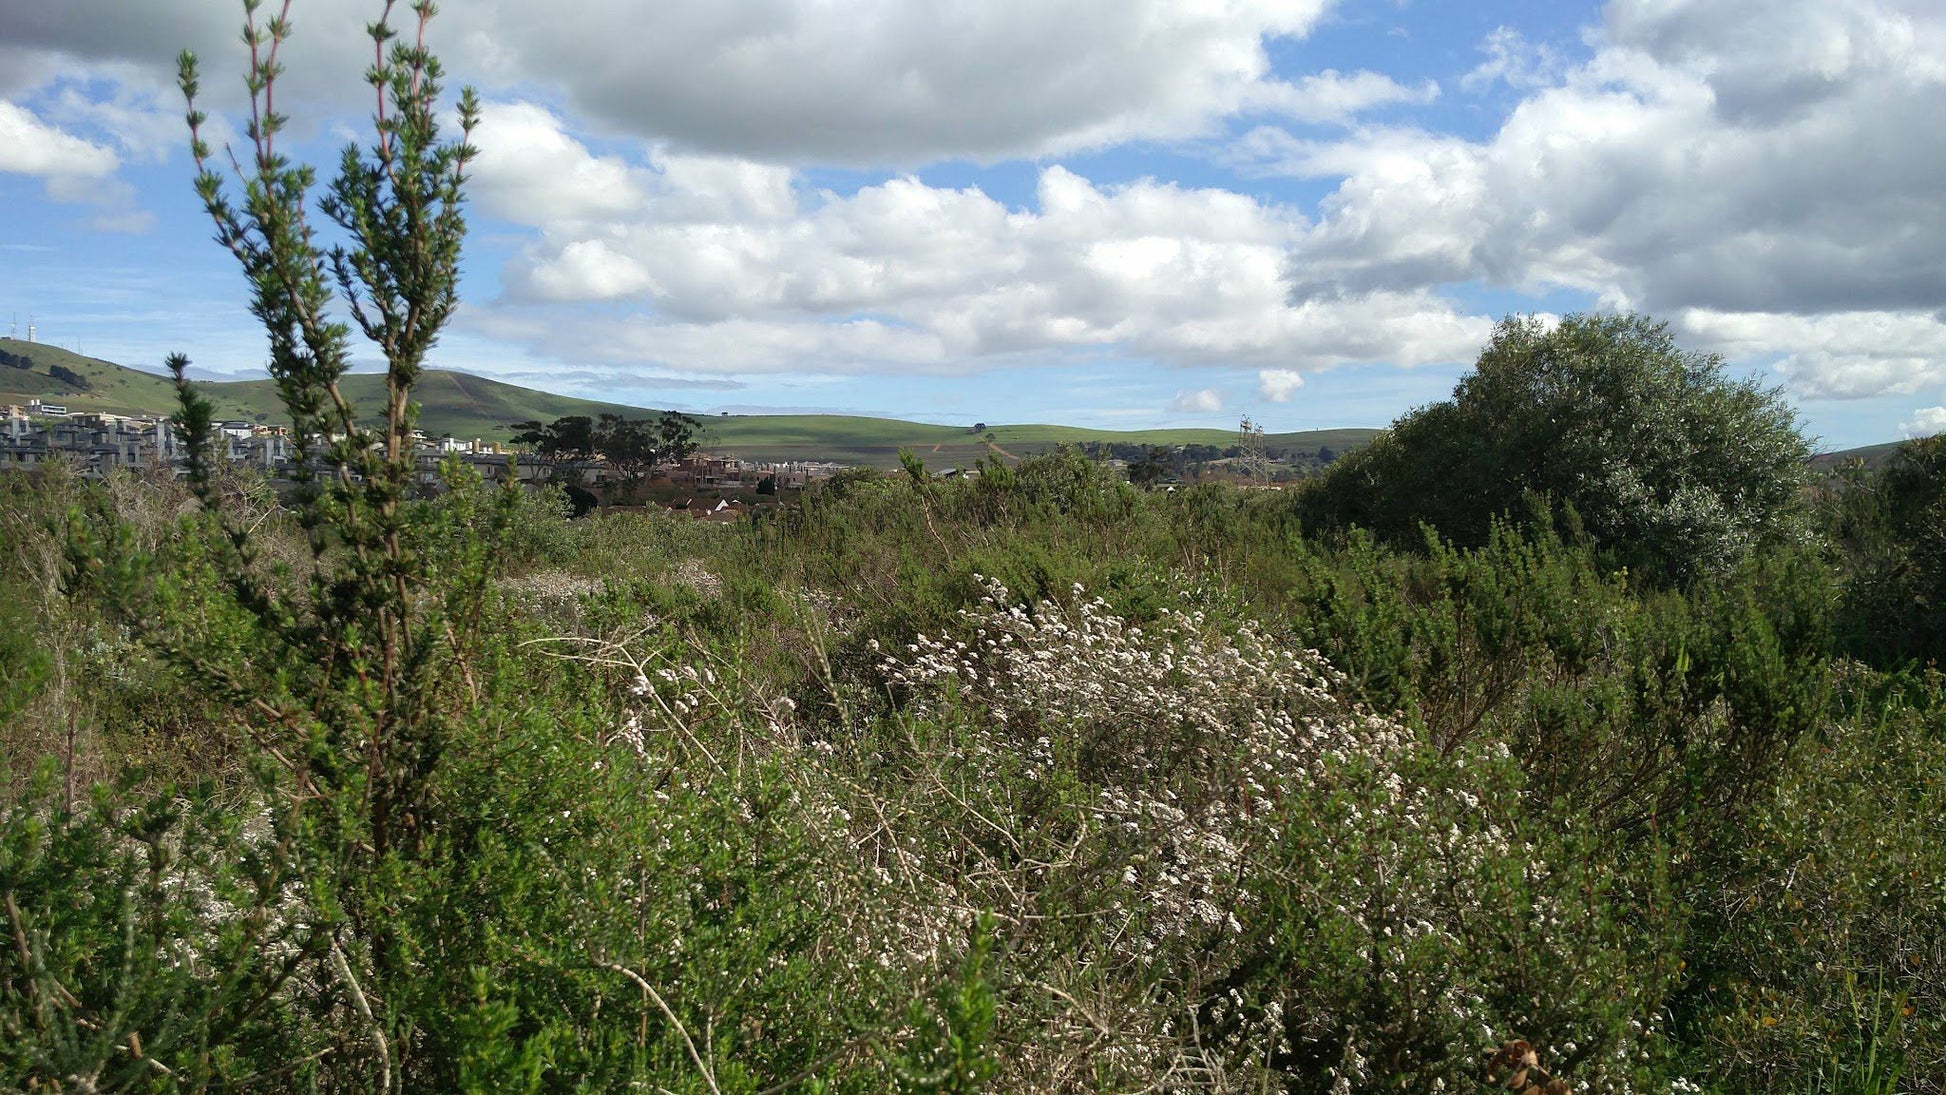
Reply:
x=449, y=403
x=454, y=403
x=469, y=406
x=1871, y=455
x=102, y=386
x=877, y=441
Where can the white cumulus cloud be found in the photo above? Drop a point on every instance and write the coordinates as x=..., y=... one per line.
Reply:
x=1778, y=194
x=1203, y=401
x=29, y=146
x=1278, y=385
x=530, y=171
x=1840, y=355
x=905, y=274
x=841, y=81
x=1332, y=96
x=1513, y=60
x=1756, y=170
x=70, y=168
x=1925, y=422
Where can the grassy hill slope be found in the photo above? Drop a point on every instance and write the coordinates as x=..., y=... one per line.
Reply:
x=1872, y=455
x=106, y=387
x=464, y=405
x=470, y=406
x=455, y=403
x=876, y=441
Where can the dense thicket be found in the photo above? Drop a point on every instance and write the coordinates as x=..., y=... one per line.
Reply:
x=1253, y=808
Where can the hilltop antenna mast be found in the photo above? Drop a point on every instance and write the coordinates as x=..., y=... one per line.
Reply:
x=30, y=326
x=13, y=326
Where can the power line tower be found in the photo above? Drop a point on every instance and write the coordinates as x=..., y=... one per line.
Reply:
x=1252, y=458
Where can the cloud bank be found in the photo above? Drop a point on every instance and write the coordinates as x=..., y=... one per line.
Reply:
x=1756, y=171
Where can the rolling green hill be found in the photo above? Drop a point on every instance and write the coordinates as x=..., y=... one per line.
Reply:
x=454, y=403
x=470, y=406
x=877, y=441
x=105, y=386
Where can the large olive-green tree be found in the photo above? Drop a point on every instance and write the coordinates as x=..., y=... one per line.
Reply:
x=1671, y=464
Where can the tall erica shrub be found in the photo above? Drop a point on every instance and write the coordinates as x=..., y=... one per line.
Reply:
x=348, y=682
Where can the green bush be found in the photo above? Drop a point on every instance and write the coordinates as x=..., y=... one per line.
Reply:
x=151, y=946
x=1888, y=530
x=1672, y=466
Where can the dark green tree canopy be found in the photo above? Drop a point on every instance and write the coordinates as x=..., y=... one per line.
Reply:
x=568, y=438
x=69, y=377
x=1670, y=464
x=632, y=445
x=1152, y=468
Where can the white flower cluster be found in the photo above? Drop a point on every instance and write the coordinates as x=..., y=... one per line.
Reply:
x=1189, y=735
x=700, y=579
x=1144, y=803
x=1216, y=766
x=555, y=595
x=1146, y=705
x=666, y=699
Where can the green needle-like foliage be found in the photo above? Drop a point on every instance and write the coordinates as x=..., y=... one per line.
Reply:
x=373, y=698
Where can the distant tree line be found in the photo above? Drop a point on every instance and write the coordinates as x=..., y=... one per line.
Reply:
x=59, y=372
x=1151, y=465
x=69, y=377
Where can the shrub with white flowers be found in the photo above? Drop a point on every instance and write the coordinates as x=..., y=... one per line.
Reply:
x=1194, y=807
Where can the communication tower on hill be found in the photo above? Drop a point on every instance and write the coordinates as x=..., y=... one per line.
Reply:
x=1252, y=458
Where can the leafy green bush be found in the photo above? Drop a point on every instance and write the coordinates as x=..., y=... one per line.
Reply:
x=1634, y=707
x=150, y=946
x=24, y=665
x=1673, y=467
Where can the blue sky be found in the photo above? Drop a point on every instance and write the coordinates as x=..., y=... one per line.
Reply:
x=1116, y=213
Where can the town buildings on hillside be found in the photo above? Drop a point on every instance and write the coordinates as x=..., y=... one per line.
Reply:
x=40, y=432
x=96, y=444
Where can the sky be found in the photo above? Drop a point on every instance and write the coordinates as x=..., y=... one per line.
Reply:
x=1113, y=213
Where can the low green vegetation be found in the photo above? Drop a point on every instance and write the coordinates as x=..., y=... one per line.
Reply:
x=1036, y=778
x=1029, y=782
